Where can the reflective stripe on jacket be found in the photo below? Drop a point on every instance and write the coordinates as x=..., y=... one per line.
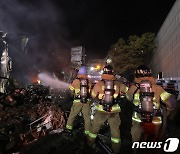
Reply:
x=136, y=101
x=155, y=120
x=75, y=87
x=159, y=93
x=98, y=91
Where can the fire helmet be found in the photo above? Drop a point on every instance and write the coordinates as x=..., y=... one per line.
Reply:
x=82, y=70
x=143, y=71
x=108, y=69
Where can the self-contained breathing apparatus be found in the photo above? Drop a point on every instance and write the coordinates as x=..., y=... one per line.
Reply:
x=83, y=94
x=146, y=106
x=108, y=98
x=146, y=100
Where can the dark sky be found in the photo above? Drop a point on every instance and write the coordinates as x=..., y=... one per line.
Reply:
x=54, y=26
x=98, y=24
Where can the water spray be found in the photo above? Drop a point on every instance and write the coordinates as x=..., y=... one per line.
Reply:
x=48, y=80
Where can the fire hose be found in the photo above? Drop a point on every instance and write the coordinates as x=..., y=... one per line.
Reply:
x=103, y=145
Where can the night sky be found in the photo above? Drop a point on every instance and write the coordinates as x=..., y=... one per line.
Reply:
x=98, y=24
x=54, y=26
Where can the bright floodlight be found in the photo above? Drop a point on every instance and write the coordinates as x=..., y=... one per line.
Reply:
x=92, y=68
x=98, y=67
x=109, y=61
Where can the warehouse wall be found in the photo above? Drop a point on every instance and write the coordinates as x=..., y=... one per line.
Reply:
x=166, y=57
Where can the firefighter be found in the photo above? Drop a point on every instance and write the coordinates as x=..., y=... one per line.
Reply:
x=80, y=89
x=146, y=96
x=107, y=92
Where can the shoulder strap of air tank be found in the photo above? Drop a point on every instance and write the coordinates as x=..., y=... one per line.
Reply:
x=137, y=87
x=79, y=80
x=87, y=83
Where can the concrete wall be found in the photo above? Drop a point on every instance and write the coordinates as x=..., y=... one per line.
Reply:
x=166, y=57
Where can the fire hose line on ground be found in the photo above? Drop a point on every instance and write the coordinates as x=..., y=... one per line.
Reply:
x=104, y=146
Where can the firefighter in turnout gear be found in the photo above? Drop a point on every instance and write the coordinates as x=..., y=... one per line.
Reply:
x=107, y=92
x=146, y=96
x=80, y=89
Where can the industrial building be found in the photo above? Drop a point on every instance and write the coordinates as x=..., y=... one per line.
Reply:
x=165, y=63
x=166, y=58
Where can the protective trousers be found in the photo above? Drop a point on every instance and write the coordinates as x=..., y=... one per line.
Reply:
x=76, y=108
x=114, y=122
x=144, y=131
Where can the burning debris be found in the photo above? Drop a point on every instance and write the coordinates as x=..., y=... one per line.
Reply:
x=26, y=115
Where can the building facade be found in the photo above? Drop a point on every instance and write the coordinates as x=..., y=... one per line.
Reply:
x=166, y=59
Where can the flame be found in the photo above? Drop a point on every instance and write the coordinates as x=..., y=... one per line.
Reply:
x=38, y=81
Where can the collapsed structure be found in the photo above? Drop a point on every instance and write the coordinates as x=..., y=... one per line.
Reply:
x=11, y=47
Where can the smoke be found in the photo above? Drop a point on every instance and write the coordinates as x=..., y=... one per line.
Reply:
x=51, y=81
x=44, y=23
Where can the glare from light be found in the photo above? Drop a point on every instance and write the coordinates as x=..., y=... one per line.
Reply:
x=92, y=117
x=92, y=68
x=109, y=61
x=98, y=67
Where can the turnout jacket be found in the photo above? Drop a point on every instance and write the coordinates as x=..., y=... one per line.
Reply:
x=75, y=86
x=159, y=94
x=98, y=92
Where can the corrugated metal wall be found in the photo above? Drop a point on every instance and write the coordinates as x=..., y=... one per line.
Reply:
x=166, y=57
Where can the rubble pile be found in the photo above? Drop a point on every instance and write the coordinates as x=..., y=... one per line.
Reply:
x=26, y=115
